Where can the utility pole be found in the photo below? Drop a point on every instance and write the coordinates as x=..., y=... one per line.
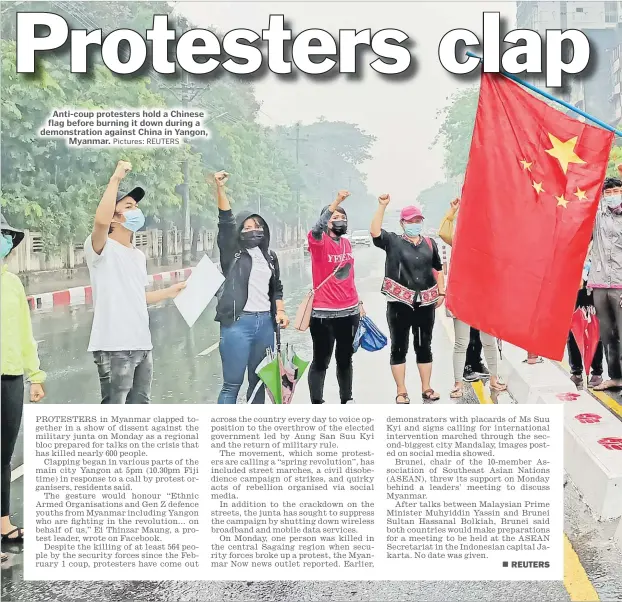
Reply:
x=185, y=190
x=297, y=139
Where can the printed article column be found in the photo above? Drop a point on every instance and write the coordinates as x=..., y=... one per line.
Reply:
x=293, y=488
x=115, y=492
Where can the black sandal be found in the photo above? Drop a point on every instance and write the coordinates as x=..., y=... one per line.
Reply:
x=19, y=539
x=402, y=403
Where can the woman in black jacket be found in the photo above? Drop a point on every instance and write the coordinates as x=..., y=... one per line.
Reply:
x=251, y=302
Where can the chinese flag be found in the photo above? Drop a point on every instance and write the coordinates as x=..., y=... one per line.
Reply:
x=532, y=187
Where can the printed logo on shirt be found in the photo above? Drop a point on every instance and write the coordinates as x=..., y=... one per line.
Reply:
x=339, y=258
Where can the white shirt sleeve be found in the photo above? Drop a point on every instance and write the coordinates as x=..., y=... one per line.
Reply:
x=147, y=283
x=92, y=258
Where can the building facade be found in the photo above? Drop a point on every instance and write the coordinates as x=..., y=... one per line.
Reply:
x=597, y=90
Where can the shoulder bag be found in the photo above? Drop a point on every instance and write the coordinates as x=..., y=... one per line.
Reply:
x=303, y=315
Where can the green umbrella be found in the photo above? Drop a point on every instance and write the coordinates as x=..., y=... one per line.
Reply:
x=279, y=372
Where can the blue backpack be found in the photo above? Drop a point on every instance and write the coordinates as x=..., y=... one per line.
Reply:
x=368, y=336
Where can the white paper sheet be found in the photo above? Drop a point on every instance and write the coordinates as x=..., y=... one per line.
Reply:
x=201, y=287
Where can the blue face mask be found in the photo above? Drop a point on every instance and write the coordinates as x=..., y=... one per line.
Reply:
x=6, y=244
x=613, y=201
x=413, y=229
x=134, y=220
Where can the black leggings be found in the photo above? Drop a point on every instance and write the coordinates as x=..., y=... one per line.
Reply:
x=325, y=332
x=12, y=408
x=402, y=319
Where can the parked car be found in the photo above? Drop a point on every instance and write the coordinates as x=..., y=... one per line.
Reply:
x=361, y=237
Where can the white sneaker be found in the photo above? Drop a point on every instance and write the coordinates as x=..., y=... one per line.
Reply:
x=350, y=401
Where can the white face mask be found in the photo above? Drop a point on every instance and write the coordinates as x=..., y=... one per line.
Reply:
x=613, y=201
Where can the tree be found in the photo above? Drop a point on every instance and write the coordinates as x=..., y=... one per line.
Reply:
x=54, y=188
x=435, y=200
x=456, y=130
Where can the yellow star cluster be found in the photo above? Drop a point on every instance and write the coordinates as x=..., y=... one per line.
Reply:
x=564, y=152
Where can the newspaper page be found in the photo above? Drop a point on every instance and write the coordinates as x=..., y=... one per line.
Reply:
x=409, y=210
x=236, y=495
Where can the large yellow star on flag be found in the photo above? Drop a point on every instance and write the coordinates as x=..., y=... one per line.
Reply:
x=564, y=151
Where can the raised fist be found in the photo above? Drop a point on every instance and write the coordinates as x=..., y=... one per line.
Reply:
x=454, y=205
x=342, y=195
x=384, y=199
x=221, y=178
x=123, y=168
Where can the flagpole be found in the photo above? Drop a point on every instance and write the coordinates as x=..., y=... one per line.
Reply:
x=553, y=98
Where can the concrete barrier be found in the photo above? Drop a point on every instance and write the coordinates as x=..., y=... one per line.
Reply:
x=592, y=434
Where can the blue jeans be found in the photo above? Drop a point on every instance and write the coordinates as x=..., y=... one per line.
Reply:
x=242, y=347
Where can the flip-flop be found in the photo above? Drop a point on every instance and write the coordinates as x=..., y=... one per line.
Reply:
x=456, y=393
x=602, y=386
x=430, y=395
x=19, y=539
x=402, y=403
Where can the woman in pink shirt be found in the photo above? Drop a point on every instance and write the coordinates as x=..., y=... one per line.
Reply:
x=336, y=305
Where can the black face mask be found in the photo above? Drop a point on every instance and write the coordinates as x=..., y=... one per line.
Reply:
x=339, y=227
x=251, y=239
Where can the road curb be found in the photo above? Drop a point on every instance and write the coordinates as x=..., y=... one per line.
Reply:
x=617, y=538
x=83, y=295
x=592, y=434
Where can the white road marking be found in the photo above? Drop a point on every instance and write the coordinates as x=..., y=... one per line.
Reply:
x=17, y=472
x=209, y=349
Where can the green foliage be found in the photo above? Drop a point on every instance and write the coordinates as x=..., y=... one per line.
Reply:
x=435, y=200
x=52, y=188
x=456, y=130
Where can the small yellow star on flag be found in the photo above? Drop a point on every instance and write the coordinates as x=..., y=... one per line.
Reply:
x=561, y=201
x=580, y=194
x=564, y=151
x=526, y=164
x=538, y=187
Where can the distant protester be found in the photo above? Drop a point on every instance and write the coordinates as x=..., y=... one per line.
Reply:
x=474, y=368
x=462, y=331
x=120, y=336
x=605, y=278
x=415, y=286
x=250, y=304
x=19, y=360
x=336, y=305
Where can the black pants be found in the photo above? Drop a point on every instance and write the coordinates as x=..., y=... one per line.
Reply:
x=12, y=408
x=402, y=319
x=325, y=333
x=574, y=355
x=474, y=351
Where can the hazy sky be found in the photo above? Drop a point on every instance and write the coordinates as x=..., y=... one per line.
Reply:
x=400, y=113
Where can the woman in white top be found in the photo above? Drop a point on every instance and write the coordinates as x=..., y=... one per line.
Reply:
x=251, y=302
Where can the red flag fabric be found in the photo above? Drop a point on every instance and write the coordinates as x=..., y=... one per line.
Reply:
x=532, y=187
